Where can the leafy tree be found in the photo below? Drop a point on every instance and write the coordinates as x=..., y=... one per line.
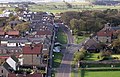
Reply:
x=68, y=5
x=7, y=28
x=22, y=27
x=79, y=55
x=105, y=55
x=74, y=24
x=12, y=18
x=116, y=45
x=17, y=9
x=10, y=15
x=69, y=15
x=82, y=25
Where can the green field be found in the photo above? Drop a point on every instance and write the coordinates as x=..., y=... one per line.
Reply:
x=56, y=7
x=102, y=74
x=57, y=59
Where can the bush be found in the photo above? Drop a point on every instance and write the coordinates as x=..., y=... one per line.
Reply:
x=79, y=55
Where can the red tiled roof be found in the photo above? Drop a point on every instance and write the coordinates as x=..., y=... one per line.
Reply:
x=35, y=75
x=1, y=29
x=13, y=33
x=2, y=33
x=28, y=75
x=32, y=49
x=45, y=32
x=104, y=33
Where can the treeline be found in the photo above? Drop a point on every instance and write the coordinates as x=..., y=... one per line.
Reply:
x=90, y=21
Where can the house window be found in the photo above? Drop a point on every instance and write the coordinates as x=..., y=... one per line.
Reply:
x=107, y=41
x=37, y=55
x=1, y=71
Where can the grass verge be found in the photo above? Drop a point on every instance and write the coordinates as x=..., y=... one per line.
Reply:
x=57, y=59
x=79, y=39
x=61, y=37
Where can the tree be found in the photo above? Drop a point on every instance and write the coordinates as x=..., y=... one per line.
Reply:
x=22, y=27
x=17, y=9
x=79, y=55
x=69, y=15
x=68, y=5
x=74, y=25
x=116, y=45
x=82, y=25
x=12, y=18
x=10, y=15
x=105, y=55
x=7, y=28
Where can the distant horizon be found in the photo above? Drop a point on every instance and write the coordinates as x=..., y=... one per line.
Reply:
x=36, y=1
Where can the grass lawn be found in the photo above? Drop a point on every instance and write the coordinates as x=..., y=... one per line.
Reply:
x=61, y=37
x=79, y=39
x=57, y=59
x=72, y=73
x=75, y=73
x=92, y=57
x=102, y=74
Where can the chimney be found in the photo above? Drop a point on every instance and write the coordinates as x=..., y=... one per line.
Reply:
x=24, y=74
x=31, y=46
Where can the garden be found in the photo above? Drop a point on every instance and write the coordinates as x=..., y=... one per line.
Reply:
x=102, y=74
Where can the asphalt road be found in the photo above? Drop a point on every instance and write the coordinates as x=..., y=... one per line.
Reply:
x=65, y=68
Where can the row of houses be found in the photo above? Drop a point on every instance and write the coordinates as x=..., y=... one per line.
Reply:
x=31, y=52
x=104, y=36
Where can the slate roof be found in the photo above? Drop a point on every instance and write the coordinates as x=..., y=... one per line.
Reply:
x=7, y=67
x=91, y=44
x=14, y=58
x=15, y=40
x=115, y=28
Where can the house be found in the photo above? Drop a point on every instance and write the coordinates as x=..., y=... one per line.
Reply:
x=27, y=16
x=10, y=65
x=2, y=33
x=92, y=45
x=105, y=35
x=46, y=33
x=25, y=75
x=14, y=42
x=32, y=54
x=8, y=51
x=108, y=33
x=13, y=33
x=6, y=13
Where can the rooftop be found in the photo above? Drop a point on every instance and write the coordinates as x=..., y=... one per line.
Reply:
x=33, y=49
